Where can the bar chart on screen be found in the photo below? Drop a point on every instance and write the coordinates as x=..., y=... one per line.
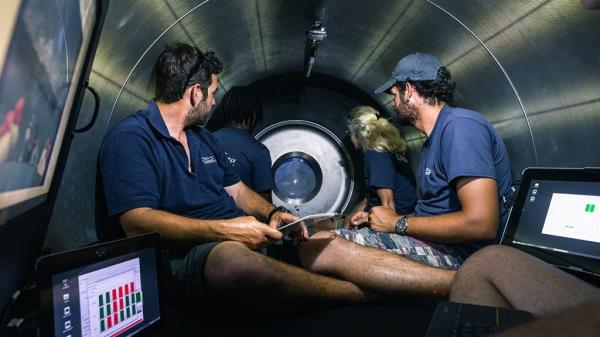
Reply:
x=573, y=216
x=111, y=299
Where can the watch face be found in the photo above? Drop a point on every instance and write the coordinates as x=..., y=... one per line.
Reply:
x=401, y=225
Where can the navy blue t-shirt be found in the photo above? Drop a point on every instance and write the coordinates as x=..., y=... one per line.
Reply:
x=384, y=170
x=462, y=144
x=250, y=158
x=143, y=166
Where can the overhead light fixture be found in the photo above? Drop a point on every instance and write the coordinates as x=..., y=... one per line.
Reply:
x=314, y=36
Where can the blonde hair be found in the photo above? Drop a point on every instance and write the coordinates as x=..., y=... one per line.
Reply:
x=375, y=133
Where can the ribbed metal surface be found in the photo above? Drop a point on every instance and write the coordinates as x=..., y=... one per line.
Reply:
x=514, y=61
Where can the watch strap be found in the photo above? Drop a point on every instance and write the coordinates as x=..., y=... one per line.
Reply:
x=275, y=210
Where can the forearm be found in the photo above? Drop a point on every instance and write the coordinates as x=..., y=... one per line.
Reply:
x=455, y=227
x=252, y=203
x=175, y=230
x=360, y=206
x=386, y=196
x=476, y=220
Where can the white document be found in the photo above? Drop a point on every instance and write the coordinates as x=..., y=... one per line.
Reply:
x=308, y=220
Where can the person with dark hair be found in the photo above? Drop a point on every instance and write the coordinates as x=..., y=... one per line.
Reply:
x=162, y=171
x=238, y=113
x=463, y=175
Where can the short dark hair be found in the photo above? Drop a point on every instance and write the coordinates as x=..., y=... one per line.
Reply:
x=439, y=89
x=239, y=105
x=180, y=66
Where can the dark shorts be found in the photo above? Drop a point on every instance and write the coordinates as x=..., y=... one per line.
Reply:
x=185, y=271
x=429, y=253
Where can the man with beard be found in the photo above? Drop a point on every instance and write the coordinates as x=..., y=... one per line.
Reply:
x=162, y=171
x=463, y=175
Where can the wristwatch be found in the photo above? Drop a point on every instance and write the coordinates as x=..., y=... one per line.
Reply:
x=401, y=225
x=275, y=210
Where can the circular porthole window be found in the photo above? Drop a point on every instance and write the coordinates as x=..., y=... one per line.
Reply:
x=297, y=177
x=312, y=171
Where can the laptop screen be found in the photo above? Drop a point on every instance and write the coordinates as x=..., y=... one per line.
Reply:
x=114, y=294
x=557, y=217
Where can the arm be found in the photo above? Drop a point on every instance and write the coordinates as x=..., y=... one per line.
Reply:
x=267, y=196
x=253, y=204
x=355, y=217
x=180, y=232
x=386, y=195
x=262, y=176
x=249, y=201
x=359, y=216
x=477, y=220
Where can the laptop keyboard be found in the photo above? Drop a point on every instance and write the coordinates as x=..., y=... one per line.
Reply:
x=463, y=328
x=471, y=329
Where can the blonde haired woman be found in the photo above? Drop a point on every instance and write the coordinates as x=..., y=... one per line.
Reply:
x=388, y=177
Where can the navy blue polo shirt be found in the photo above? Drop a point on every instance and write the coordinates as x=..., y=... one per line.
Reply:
x=250, y=159
x=384, y=170
x=462, y=144
x=143, y=166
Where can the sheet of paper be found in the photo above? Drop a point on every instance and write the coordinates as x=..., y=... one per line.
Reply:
x=308, y=220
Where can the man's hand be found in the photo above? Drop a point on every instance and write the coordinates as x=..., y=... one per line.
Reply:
x=281, y=218
x=357, y=219
x=251, y=232
x=382, y=219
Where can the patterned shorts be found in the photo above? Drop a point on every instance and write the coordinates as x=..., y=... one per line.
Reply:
x=429, y=253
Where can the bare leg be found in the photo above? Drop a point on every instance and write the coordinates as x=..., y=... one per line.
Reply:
x=506, y=277
x=373, y=270
x=236, y=273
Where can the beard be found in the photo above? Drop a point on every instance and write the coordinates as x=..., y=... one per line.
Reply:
x=198, y=115
x=405, y=114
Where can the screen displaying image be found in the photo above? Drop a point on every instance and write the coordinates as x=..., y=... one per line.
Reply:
x=41, y=61
x=573, y=216
x=114, y=297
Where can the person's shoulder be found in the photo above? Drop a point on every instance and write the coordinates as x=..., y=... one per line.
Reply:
x=220, y=133
x=462, y=115
x=135, y=125
x=210, y=136
x=464, y=118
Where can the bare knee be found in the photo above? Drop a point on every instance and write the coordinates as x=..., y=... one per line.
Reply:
x=232, y=266
x=479, y=268
x=323, y=251
x=487, y=261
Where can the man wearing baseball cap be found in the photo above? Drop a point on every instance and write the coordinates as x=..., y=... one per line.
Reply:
x=463, y=174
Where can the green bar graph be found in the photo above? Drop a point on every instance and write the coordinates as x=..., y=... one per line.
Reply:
x=589, y=208
x=100, y=300
x=101, y=312
x=102, y=326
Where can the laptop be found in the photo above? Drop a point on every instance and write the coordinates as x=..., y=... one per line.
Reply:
x=108, y=289
x=555, y=218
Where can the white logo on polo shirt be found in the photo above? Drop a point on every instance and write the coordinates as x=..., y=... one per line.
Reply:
x=231, y=159
x=427, y=171
x=208, y=160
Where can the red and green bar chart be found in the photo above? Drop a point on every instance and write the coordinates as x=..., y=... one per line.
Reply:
x=118, y=305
